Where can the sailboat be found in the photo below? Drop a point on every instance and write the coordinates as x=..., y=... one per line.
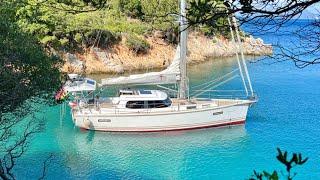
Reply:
x=149, y=110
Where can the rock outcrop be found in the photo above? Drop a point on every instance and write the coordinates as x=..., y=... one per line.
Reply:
x=119, y=58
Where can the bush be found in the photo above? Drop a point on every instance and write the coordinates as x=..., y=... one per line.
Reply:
x=132, y=8
x=77, y=40
x=46, y=40
x=137, y=45
x=101, y=38
x=64, y=42
x=172, y=35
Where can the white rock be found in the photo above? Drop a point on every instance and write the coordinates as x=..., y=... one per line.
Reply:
x=73, y=60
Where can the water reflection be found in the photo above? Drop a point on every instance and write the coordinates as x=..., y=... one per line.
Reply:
x=134, y=153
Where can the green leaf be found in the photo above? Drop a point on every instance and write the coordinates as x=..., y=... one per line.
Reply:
x=274, y=176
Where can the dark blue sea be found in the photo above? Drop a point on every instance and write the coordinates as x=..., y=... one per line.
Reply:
x=287, y=116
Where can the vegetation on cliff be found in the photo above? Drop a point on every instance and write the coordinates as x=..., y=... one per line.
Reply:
x=76, y=25
x=92, y=34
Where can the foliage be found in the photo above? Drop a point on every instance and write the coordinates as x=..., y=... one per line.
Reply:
x=25, y=69
x=137, y=44
x=63, y=29
x=28, y=76
x=198, y=11
x=100, y=38
x=161, y=14
x=72, y=25
x=132, y=8
x=295, y=160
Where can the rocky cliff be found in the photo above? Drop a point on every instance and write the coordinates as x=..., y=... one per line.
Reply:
x=119, y=58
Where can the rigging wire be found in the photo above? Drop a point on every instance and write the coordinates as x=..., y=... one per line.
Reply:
x=234, y=24
x=210, y=83
x=217, y=85
x=242, y=55
x=214, y=80
x=237, y=55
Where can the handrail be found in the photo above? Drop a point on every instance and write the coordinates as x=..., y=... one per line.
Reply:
x=219, y=101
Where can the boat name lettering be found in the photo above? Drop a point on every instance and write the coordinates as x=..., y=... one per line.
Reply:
x=217, y=113
x=104, y=120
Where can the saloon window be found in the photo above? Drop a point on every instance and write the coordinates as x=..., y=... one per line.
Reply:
x=159, y=104
x=148, y=104
x=135, y=104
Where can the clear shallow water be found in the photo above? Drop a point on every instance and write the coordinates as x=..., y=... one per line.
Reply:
x=286, y=116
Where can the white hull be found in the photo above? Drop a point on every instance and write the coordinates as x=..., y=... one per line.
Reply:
x=164, y=119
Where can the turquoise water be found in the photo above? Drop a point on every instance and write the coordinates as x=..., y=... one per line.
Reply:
x=286, y=116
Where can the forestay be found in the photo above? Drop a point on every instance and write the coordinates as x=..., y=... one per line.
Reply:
x=168, y=76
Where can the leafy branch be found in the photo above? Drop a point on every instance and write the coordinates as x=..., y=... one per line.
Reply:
x=282, y=157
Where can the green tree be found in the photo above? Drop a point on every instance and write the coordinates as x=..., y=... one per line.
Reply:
x=28, y=77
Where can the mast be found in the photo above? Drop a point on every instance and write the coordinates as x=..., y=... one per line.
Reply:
x=183, y=87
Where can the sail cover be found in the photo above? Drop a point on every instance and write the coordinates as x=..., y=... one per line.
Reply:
x=168, y=76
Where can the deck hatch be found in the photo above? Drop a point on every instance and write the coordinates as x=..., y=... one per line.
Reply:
x=145, y=92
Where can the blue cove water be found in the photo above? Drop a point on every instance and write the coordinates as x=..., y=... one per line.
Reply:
x=286, y=116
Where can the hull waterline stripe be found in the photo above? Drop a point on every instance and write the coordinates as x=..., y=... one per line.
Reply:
x=231, y=123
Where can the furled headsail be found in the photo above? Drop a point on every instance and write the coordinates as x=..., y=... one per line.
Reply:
x=168, y=76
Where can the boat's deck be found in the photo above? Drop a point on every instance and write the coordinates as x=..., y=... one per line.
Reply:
x=181, y=102
x=108, y=107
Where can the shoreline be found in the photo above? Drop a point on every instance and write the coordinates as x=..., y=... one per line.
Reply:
x=119, y=59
